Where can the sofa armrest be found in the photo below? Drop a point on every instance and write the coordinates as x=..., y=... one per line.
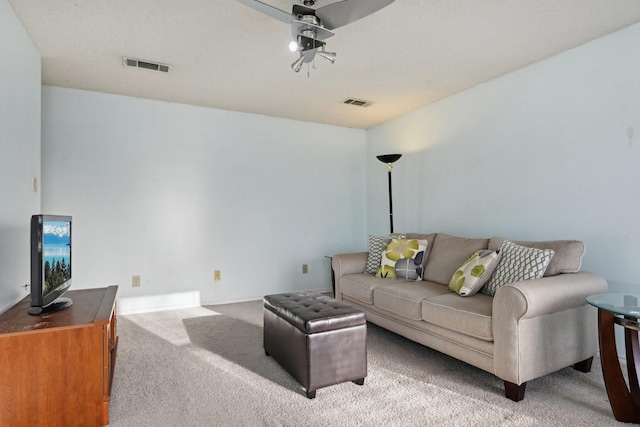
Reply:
x=343, y=264
x=531, y=298
x=352, y=263
x=542, y=325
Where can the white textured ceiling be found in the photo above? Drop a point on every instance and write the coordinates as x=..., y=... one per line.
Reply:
x=226, y=55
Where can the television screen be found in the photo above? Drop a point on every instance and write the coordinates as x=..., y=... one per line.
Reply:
x=56, y=254
x=50, y=263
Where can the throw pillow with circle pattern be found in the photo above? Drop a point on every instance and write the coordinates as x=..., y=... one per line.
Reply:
x=377, y=244
x=410, y=268
x=474, y=272
x=399, y=249
x=518, y=263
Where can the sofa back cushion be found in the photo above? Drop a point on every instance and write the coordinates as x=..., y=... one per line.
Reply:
x=567, y=258
x=447, y=255
x=430, y=238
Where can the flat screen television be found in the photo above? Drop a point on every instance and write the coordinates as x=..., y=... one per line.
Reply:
x=50, y=263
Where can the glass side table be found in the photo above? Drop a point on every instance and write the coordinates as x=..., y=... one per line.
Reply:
x=624, y=310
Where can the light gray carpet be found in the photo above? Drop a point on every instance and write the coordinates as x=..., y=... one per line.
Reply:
x=206, y=367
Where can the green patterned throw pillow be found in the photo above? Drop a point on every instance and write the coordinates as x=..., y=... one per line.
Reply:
x=518, y=263
x=399, y=249
x=474, y=272
x=377, y=244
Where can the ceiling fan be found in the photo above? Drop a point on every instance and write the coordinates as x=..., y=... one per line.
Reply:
x=309, y=27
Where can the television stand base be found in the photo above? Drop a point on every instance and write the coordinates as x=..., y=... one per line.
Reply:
x=57, y=305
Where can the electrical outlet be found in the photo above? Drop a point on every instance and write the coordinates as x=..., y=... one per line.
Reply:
x=135, y=281
x=305, y=268
x=34, y=184
x=216, y=275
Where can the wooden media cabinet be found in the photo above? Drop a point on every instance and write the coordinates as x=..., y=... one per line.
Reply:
x=57, y=369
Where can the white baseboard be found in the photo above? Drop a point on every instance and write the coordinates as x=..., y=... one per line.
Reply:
x=235, y=300
x=176, y=301
x=150, y=303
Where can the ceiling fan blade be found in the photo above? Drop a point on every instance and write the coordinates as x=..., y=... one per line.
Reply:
x=344, y=12
x=269, y=10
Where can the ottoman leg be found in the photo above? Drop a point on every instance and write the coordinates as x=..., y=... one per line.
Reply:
x=311, y=394
x=359, y=382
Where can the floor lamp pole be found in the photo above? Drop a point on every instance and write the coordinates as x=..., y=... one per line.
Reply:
x=390, y=201
x=389, y=159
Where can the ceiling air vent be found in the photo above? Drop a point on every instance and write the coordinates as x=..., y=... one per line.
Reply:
x=357, y=102
x=147, y=65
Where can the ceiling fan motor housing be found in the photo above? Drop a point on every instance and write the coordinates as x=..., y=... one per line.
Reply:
x=309, y=43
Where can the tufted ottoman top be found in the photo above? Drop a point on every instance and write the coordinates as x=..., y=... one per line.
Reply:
x=314, y=312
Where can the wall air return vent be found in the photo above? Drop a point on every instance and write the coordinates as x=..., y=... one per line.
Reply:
x=147, y=65
x=357, y=102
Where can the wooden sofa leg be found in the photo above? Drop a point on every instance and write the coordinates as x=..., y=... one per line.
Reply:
x=513, y=391
x=584, y=366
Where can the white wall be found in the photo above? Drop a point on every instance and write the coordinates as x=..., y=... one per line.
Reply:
x=173, y=192
x=19, y=152
x=551, y=151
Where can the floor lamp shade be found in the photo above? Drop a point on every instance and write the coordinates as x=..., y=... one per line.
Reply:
x=389, y=159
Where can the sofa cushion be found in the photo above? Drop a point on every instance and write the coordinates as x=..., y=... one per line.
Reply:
x=430, y=238
x=469, y=316
x=567, y=258
x=448, y=253
x=377, y=244
x=360, y=286
x=518, y=263
x=474, y=273
x=405, y=298
x=399, y=249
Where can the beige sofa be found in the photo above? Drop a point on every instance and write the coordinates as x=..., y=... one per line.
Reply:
x=528, y=329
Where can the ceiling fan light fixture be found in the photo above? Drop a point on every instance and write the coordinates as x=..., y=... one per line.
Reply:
x=294, y=46
x=298, y=64
x=329, y=56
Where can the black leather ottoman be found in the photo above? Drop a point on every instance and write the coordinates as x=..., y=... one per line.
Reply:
x=320, y=341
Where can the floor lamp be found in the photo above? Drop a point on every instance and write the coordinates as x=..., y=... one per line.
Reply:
x=389, y=159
